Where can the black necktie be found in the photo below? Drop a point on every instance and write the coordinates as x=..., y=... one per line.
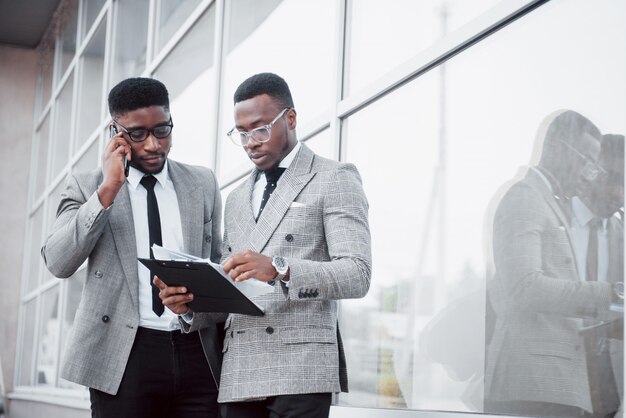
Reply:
x=272, y=177
x=154, y=226
x=592, y=250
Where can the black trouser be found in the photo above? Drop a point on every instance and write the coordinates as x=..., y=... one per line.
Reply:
x=314, y=405
x=167, y=376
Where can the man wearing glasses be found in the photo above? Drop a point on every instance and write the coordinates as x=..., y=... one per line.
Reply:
x=298, y=223
x=125, y=346
x=550, y=287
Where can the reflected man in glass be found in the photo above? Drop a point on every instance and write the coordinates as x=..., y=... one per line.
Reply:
x=538, y=356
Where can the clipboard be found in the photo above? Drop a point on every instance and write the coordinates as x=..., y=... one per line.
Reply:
x=212, y=292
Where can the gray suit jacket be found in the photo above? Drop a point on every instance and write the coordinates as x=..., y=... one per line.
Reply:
x=537, y=352
x=317, y=219
x=108, y=314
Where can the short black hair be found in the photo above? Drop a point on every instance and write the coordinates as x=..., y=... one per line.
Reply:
x=264, y=83
x=136, y=93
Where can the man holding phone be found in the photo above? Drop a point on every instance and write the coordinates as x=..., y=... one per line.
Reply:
x=125, y=345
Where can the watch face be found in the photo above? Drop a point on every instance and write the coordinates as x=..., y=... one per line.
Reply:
x=280, y=264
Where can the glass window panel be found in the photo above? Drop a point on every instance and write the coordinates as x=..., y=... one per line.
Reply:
x=27, y=345
x=42, y=157
x=188, y=74
x=89, y=160
x=73, y=290
x=67, y=40
x=90, y=93
x=48, y=343
x=45, y=71
x=172, y=14
x=322, y=144
x=380, y=36
x=423, y=343
x=90, y=10
x=62, y=128
x=35, y=243
x=282, y=37
x=130, y=57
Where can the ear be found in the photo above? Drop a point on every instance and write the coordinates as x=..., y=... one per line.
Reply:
x=291, y=118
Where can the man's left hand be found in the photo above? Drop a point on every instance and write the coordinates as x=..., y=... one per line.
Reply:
x=248, y=264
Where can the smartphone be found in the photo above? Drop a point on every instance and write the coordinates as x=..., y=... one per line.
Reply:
x=113, y=131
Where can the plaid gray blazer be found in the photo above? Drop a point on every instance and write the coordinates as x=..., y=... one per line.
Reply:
x=317, y=219
x=97, y=349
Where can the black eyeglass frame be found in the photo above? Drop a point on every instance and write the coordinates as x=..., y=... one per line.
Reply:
x=148, y=131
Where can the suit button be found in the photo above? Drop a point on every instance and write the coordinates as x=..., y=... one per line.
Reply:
x=269, y=330
x=98, y=274
x=105, y=318
x=288, y=237
x=208, y=238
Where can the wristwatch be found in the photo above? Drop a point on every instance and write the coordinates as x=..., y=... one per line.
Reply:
x=281, y=266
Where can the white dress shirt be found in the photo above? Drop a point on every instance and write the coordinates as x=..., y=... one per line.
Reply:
x=172, y=237
x=261, y=181
x=581, y=215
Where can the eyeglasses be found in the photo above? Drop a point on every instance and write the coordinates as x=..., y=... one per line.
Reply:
x=261, y=134
x=591, y=169
x=140, y=134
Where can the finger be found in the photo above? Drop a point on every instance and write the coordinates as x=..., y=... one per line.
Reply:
x=176, y=299
x=159, y=283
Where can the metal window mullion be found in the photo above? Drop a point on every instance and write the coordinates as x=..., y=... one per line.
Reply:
x=176, y=38
x=151, y=35
x=218, y=64
x=452, y=44
x=339, y=62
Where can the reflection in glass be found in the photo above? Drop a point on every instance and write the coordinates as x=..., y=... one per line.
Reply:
x=381, y=37
x=90, y=10
x=73, y=290
x=131, y=39
x=48, y=341
x=188, y=74
x=42, y=157
x=90, y=100
x=36, y=238
x=417, y=340
x=63, y=128
x=282, y=37
x=27, y=352
x=172, y=14
x=558, y=253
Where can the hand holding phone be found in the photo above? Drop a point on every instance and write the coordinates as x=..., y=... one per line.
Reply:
x=113, y=131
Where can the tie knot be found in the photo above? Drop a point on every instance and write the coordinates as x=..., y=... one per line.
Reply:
x=148, y=182
x=272, y=175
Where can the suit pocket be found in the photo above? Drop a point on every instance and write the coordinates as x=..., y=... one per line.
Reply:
x=303, y=335
x=552, y=349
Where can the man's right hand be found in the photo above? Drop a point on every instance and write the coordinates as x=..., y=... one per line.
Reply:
x=175, y=298
x=113, y=169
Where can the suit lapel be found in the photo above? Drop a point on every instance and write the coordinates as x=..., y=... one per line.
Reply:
x=559, y=208
x=123, y=229
x=190, y=205
x=293, y=180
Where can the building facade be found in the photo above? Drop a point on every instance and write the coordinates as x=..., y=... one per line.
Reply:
x=437, y=102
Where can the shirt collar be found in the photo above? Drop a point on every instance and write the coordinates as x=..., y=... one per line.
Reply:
x=286, y=162
x=581, y=214
x=135, y=176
